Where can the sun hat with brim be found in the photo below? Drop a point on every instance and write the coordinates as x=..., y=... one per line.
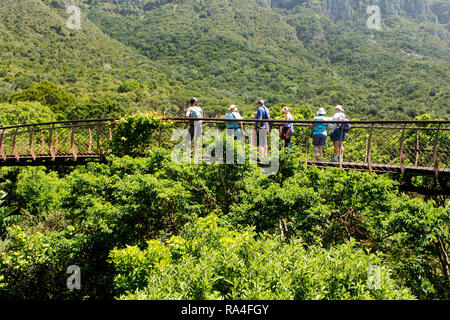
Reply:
x=339, y=107
x=321, y=111
x=232, y=108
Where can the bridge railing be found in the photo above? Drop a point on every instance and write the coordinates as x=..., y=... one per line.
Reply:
x=374, y=146
x=382, y=146
x=66, y=139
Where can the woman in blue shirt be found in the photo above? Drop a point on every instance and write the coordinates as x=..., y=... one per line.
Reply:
x=319, y=133
x=234, y=127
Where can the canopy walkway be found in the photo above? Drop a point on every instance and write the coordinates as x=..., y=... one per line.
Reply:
x=420, y=148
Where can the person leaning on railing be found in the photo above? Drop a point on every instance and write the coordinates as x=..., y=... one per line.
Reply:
x=319, y=134
x=287, y=130
x=262, y=128
x=195, y=128
x=235, y=128
x=337, y=132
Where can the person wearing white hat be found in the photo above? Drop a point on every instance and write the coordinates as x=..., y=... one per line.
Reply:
x=319, y=134
x=337, y=132
x=235, y=128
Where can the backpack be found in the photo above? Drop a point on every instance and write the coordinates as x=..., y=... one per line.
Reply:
x=346, y=126
x=267, y=116
x=266, y=112
x=233, y=124
x=194, y=114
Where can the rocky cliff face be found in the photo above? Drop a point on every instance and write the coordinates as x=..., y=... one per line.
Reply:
x=346, y=9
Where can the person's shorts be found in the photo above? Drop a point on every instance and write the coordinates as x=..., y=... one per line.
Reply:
x=195, y=130
x=236, y=132
x=336, y=135
x=319, y=140
x=261, y=137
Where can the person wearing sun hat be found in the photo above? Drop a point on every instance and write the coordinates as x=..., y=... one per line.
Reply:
x=319, y=134
x=336, y=132
x=234, y=127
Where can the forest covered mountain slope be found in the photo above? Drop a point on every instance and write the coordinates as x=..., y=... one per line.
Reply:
x=315, y=52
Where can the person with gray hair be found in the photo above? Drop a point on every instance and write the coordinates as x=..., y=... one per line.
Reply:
x=235, y=128
x=337, y=133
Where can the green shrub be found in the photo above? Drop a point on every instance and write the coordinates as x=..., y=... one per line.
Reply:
x=136, y=133
x=34, y=265
x=39, y=192
x=48, y=94
x=25, y=112
x=209, y=261
x=7, y=217
x=95, y=108
x=127, y=201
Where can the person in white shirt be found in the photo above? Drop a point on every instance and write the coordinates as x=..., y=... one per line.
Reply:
x=336, y=131
x=195, y=128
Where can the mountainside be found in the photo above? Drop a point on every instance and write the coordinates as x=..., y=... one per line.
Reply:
x=316, y=52
x=37, y=45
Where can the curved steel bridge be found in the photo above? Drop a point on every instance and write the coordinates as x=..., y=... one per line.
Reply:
x=420, y=148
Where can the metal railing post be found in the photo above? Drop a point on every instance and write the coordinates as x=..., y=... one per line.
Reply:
x=90, y=140
x=402, y=165
x=50, y=143
x=369, y=150
x=2, y=147
x=72, y=143
x=435, y=156
x=15, y=153
x=416, y=163
x=306, y=146
x=33, y=154
x=341, y=143
x=99, y=150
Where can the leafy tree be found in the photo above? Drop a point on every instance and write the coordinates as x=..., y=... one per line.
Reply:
x=47, y=93
x=24, y=113
x=210, y=261
x=96, y=108
x=7, y=218
x=136, y=133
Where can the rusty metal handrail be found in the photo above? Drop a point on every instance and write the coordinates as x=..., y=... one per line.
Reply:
x=389, y=145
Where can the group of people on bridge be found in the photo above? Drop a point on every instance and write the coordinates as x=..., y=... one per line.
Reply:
x=261, y=128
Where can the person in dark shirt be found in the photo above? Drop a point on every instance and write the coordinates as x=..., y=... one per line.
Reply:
x=262, y=128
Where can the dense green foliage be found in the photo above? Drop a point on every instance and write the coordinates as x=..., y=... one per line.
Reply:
x=137, y=133
x=79, y=217
x=47, y=94
x=25, y=113
x=150, y=228
x=7, y=216
x=208, y=261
